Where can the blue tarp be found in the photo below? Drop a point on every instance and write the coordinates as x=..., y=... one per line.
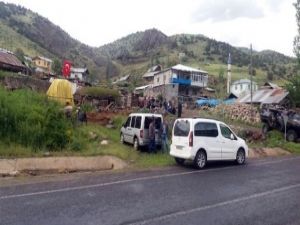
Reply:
x=214, y=102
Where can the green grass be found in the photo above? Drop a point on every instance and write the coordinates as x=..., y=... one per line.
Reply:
x=275, y=139
x=87, y=143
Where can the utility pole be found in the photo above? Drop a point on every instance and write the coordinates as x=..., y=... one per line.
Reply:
x=251, y=80
x=229, y=73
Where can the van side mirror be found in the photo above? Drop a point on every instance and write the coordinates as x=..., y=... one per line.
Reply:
x=232, y=137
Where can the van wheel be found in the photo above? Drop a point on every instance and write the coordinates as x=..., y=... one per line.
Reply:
x=265, y=128
x=179, y=161
x=240, y=157
x=136, y=145
x=200, y=160
x=291, y=135
x=122, y=138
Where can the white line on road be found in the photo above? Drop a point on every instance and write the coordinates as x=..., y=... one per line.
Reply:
x=132, y=180
x=220, y=204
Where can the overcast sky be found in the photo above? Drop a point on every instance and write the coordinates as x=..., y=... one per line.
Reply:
x=267, y=24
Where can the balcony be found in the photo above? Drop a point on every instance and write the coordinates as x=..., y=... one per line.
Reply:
x=181, y=81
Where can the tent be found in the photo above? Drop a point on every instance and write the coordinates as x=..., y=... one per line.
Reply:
x=61, y=90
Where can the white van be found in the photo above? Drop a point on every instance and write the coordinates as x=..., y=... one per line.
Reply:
x=201, y=140
x=136, y=129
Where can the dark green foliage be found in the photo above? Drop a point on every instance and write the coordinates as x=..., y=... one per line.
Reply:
x=29, y=119
x=294, y=90
x=99, y=92
x=57, y=66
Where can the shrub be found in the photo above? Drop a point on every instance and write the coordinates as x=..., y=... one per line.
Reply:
x=100, y=92
x=30, y=119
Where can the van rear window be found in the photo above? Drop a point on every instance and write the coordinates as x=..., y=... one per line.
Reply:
x=182, y=128
x=148, y=120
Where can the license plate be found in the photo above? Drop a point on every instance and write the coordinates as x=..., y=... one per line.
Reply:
x=179, y=147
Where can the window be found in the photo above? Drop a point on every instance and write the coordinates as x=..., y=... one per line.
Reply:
x=241, y=86
x=138, y=121
x=148, y=120
x=226, y=132
x=182, y=128
x=157, y=80
x=132, y=121
x=128, y=122
x=236, y=87
x=204, y=129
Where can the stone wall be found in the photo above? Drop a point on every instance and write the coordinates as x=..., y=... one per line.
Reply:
x=15, y=82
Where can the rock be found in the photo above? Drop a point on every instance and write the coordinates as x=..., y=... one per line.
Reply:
x=104, y=142
x=14, y=173
x=93, y=135
x=46, y=154
x=110, y=126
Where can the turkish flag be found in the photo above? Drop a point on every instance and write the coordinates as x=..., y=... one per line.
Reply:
x=66, y=68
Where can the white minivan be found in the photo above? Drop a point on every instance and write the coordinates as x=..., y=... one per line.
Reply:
x=136, y=129
x=201, y=140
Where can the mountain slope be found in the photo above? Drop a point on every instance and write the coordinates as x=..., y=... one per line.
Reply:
x=34, y=34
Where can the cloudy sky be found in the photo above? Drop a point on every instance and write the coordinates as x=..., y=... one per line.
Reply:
x=267, y=24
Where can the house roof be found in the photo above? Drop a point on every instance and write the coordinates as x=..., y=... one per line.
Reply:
x=42, y=58
x=187, y=69
x=271, y=85
x=142, y=87
x=152, y=71
x=242, y=81
x=79, y=70
x=122, y=79
x=10, y=59
x=265, y=96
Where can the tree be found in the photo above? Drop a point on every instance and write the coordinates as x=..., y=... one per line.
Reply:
x=294, y=82
x=20, y=54
x=56, y=66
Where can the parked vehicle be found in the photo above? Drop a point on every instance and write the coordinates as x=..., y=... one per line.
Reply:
x=201, y=140
x=136, y=129
x=272, y=118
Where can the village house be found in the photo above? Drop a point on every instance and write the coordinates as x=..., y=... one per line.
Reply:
x=180, y=83
x=242, y=87
x=10, y=62
x=42, y=64
x=149, y=75
x=79, y=73
x=269, y=93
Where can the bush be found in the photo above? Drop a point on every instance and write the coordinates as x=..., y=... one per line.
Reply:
x=100, y=92
x=30, y=119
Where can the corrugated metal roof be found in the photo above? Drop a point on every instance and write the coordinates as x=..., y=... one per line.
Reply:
x=187, y=69
x=242, y=81
x=10, y=59
x=78, y=70
x=150, y=74
x=265, y=96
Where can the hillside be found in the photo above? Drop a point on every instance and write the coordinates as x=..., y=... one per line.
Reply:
x=36, y=35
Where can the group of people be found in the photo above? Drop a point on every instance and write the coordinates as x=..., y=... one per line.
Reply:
x=81, y=115
x=162, y=132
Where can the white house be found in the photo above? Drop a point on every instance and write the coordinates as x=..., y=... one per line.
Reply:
x=79, y=73
x=180, y=82
x=242, y=87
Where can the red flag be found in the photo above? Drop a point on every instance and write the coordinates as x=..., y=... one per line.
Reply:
x=66, y=68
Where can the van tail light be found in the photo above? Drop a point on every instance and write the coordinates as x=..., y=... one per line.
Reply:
x=141, y=133
x=191, y=139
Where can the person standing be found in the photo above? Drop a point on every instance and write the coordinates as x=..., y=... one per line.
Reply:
x=164, y=136
x=152, y=146
x=179, y=110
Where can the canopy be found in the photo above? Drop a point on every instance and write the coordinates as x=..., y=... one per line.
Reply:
x=61, y=90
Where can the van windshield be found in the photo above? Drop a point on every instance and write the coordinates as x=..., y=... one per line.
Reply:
x=182, y=128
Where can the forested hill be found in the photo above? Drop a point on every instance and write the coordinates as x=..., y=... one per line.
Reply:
x=34, y=34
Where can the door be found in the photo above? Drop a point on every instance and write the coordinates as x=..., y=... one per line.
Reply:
x=127, y=129
x=229, y=143
x=206, y=136
x=131, y=130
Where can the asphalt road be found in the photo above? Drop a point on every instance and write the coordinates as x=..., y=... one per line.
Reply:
x=261, y=192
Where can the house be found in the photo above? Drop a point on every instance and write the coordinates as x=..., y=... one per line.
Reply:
x=42, y=64
x=269, y=93
x=10, y=62
x=242, y=87
x=79, y=73
x=180, y=82
x=122, y=80
x=149, y=75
